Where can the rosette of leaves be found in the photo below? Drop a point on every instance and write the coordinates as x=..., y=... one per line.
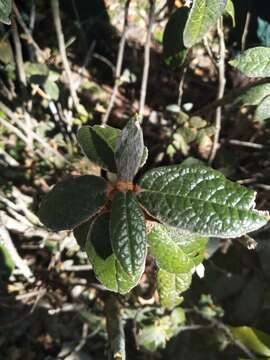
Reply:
x=186, y=204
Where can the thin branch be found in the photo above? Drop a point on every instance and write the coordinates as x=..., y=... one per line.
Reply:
x=221, y=87
x=62, y=49
x=27, y=31
x=147, y=49
x=18, y=53
x=245, y=32
x=119, y=63
x=181, y=86
x=115, y=328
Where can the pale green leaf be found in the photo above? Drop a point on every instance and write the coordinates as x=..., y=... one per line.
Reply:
x=254, y=62
x=262, y=112
x=230, y=10
x=5, y=10
x=200, y=200
x=255, y=95
x=255, y=340
x=51, y=89
x=202, y=18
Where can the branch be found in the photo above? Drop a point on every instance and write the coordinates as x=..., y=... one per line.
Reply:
x=221, y=87
x=119, y=63
x=18, y=53
x=62, y=49
x=146, y=58
x=115, y=328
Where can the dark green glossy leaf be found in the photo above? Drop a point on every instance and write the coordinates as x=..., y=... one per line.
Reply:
x=253, y=62
x=98, y=144
x=129, y=151
x=80, y=233
x=174, y=50
x=5, y=10
x=200, y=200
x=107, y=269
x=127, y=229
x=72, y=202
x=202, y=18
x=176, y=251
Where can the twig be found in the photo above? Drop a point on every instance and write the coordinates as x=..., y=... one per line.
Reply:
x=181, y=86
x=245, y=32
x=62, y=49
x=115, y=328
x=5, y=239
x=119, y=63
x=147, y=58
x=221, y=87
x=247, y=144
x=27, y=31
x=18, y=53
x=210, y=53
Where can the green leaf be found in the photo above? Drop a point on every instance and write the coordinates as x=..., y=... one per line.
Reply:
x=51, y=89
x=255, y=340
x=175, y=250
x=230, y=10
x=106, y=267
x=262, y=112
x=253, y=62
x=200, y=200
x=170, y=286
x=152, y=337
x=5, y=11
x=98, y=144
x=255, y=95
x=127, y=229
x=174, y=50
x=72, y=201
x=129, y=151
x=80, y=233
x=6, y=53
x=202, y=17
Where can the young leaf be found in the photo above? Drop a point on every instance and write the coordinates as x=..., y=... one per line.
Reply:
x=106, y=267
x=230, y=10
x=202, y=17
x=174, y=50
x=200, y=200
x=253, y=62
x=72, y=201
x=127, y=229
x=5, y=10
x=170, y=286
x=98, y=144
x=129, y=151
x=175, y=250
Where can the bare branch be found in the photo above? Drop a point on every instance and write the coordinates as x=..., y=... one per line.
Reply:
x=119, y=63
x=147, y=46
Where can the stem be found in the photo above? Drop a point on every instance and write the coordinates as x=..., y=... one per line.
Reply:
x=62, y=49
x=115, y=328
x=146, y=58
x=119, y=63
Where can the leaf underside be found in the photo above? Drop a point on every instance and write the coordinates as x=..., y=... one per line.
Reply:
x=106, y=267
x=200, y=200
x=72, y=201
x=176, y=251
x=127, y=230
x=5, y=10
x=254, y=62
x=203, y=16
